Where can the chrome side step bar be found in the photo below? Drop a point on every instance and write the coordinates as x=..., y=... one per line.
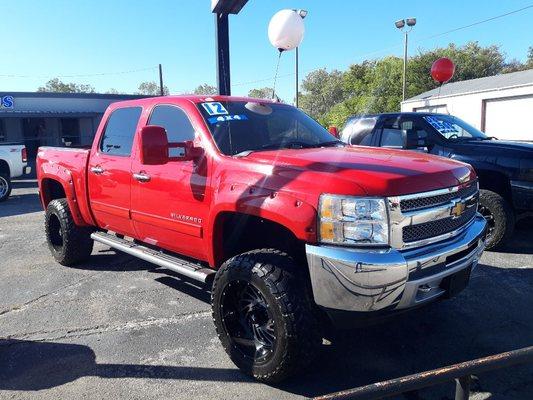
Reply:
x=176, y=264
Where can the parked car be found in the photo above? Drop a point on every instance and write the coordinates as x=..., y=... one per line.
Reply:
x=504, y=168
x=13, y=164
x=294, y=230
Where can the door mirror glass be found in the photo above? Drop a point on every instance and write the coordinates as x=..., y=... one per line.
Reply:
x=184, y=151
x=153, y=145
x=414, y=139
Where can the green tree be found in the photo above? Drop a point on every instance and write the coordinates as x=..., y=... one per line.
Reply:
x=262, y=93
x=58, y=86
x=205, y=90
x=151, y=88
x=376, y=86
x=369, y=87
x=321, y=90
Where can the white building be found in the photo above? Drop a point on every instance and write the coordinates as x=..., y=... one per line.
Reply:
x=500, y=105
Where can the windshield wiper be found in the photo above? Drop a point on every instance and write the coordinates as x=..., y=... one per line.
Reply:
x=331, y=143
x=290, y=145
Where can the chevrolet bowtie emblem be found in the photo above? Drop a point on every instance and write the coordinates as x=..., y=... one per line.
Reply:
x=457, y=209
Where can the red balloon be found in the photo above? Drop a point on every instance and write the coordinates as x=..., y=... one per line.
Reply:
x=442, y=70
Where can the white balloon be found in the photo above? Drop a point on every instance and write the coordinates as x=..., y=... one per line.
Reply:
x=286, y=30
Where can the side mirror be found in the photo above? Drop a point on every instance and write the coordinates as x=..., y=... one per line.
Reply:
x=184, y=151
x=413, y=139
x=153, y=145
x=334, y=131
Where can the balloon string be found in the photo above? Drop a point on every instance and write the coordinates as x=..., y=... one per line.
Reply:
x=440, y=86
x=276, y=75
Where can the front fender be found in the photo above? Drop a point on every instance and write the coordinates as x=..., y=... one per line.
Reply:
x=281, y=207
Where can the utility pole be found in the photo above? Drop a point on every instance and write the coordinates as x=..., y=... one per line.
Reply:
x=161, y=87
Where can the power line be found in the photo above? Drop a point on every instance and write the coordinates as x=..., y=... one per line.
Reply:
x=477, y=23
x=79, y=75
x=396, y=46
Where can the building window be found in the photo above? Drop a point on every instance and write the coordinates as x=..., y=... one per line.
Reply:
x=119, y=131
x=70, y=131
x=2, y=130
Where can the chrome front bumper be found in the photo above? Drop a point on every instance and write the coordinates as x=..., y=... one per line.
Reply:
x=366, y=280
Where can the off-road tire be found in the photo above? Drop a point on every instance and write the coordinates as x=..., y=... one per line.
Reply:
x=503, y=216
x=298, y=335
x=69, y=243
x=5, y=180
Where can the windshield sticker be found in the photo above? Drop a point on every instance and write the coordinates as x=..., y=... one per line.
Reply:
x=214, y=108
x=226, y=118
x=440, y=125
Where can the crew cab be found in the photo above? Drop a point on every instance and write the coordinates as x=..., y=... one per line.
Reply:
x=13, y=164
x=504, y=168
x=293, y=230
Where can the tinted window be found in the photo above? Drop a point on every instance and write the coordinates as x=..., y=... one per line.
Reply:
x=359, y=131
x=393, y=132
x=175, y=122
x=120, y=131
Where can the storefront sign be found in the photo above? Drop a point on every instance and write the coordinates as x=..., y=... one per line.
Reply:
x=7, y=102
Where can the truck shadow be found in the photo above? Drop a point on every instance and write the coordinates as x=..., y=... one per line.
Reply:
x=491, y=316
x=522, y=240
x=19, y=204
x=31, y=366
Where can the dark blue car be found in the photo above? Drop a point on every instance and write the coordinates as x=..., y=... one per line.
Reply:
x=504, y=168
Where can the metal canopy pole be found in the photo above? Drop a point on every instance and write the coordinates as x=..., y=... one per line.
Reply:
x=222, y=43
x=161, y=87
x=222, y=9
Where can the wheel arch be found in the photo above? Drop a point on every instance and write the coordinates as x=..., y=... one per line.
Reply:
x=53, y=187
x=235, y=233
x=495, y=181
x=4, y=167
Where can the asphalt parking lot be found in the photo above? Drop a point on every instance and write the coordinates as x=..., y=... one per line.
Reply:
x=116, y=327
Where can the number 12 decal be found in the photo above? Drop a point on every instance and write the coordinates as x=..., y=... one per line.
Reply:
x=215, y=108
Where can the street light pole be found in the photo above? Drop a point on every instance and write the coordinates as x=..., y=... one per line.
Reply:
x=400, y=24
x=404, y=84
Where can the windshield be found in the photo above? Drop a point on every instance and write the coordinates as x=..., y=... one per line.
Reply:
x=240, y=127
x=454, y=128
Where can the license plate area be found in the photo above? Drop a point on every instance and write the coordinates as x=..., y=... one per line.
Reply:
x=456, y=283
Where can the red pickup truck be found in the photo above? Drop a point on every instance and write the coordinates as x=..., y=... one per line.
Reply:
x=295, y=230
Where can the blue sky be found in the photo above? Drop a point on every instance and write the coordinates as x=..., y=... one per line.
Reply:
x=43, y=39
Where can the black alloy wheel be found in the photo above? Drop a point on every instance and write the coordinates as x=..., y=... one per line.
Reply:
x=248, y=321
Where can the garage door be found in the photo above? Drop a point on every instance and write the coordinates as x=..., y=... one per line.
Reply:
x=506, y=118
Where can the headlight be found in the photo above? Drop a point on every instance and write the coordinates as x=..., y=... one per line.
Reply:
x=353, y=220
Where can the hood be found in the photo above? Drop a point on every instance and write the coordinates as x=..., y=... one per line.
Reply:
x=362, y=170
x=496, y=148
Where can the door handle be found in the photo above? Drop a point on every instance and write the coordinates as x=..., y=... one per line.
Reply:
x=141, y=177
x=97, y=170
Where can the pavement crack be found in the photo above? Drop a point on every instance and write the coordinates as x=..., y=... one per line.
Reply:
x=20, y=307
x=77, y=332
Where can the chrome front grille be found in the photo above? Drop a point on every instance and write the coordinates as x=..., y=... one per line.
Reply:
x=431, y=229
x=423, y=218
x=418, y=203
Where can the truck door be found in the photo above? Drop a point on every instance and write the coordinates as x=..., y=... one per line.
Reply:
x=169, y=202
x=110, y=171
